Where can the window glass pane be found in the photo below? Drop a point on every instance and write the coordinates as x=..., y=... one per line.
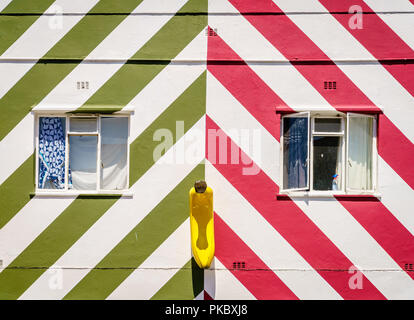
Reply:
x=83, y=125
x=327, y=158
x=52, y=148
x=327, y=125
x=114, y=146
x=82, y=162
x=360, y=133
x=295, y=152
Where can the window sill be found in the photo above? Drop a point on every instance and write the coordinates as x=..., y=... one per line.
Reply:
x=326, y=195
x=100, y=194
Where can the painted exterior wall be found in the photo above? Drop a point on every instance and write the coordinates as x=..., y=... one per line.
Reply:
x=232, y=65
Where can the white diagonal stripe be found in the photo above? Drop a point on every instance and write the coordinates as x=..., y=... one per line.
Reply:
x=18, y=145
x=36, y=41
x=110, y=229
x=355, y=242
x=390, y=6
x=385, y=92
x=28, y=224
x=158, y=268
x=401, y=24
x=397, y=195
x=166, y=87
x=240, y=35
x=4, y=4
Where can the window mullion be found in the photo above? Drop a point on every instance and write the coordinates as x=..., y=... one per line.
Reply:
x=309, y=154
x=37, y=152
x=310, y=157
x=375, y=155
x=67, y=153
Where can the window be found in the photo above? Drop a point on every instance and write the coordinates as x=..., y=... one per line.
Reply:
x=82, y=153
x=329, y=153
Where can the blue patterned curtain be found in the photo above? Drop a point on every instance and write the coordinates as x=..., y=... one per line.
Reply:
x=52, y=152
x=295, y=137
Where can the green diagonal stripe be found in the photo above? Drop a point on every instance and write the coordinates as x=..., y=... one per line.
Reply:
x=42, y=78
x=51, y=244
x=35, y=7
x=90, y=31
x=186, y=284
x=12, y=27
x=15, y=191
x=139, y=244
x=166, y=44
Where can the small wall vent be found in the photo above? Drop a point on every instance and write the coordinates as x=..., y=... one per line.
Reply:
x=239, y=265
x=211, y=32
x=329, y=85
x=409, y=267
x=80, y=85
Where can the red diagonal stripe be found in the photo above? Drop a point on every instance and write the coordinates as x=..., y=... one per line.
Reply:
x=347, y=97
x=396, y=240
x=377, y=37
x=396, y=149
x=292, y=224
x=375, y=34
x=244, y=84
x=263, y=283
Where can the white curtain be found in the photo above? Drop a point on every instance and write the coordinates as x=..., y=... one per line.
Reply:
x=360, y=139
x=82, y=161
x=114, y=147
x=114, y=165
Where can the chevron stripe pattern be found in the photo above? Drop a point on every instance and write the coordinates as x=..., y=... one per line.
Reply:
x=207, y=71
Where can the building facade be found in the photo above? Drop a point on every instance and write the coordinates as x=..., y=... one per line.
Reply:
x=298, y=114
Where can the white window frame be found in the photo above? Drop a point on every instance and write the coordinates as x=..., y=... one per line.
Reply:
x=281, y=157
x=66, y=190
x=343, y=188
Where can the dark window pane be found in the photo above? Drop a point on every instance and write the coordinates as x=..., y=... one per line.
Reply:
x=327, y=125
x=327, y=163
x=295, y=156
